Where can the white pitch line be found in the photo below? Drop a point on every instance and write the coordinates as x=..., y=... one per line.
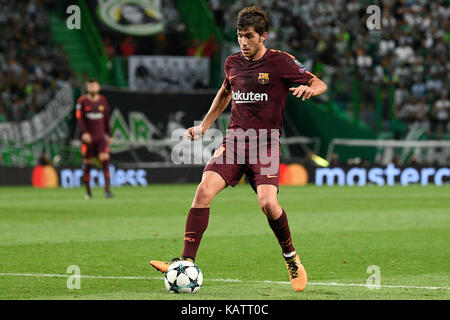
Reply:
x=50, y=275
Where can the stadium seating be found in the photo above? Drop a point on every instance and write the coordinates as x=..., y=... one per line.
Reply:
x=32, y=66
x=407, y=57
x=387, y=83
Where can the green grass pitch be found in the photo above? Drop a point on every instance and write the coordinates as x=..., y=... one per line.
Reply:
x=338, y=231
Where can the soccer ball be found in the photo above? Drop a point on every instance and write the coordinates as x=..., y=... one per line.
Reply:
x=183, y=277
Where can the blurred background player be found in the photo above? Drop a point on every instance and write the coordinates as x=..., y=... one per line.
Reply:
x=92, y=113
x=260, y=72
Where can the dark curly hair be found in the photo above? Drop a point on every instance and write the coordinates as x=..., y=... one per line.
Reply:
x=253, y=17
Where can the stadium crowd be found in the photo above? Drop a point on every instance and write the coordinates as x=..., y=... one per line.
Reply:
x=31, y=65
x=410, y=52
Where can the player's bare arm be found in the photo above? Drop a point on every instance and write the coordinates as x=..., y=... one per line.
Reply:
x=314, y=87
x=219, y=104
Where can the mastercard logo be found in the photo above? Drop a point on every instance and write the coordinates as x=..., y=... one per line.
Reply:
x=44, y=177
x=293, y=175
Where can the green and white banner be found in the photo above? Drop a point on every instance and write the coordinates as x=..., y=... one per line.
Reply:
x=48, y=124
x=134, y=17
x=22, y=143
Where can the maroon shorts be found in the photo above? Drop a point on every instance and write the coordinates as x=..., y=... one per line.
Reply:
x=259, y=171
x=91, y=150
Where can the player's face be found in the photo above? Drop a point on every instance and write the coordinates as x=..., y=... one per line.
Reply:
x=93, y=88
x=250, y=42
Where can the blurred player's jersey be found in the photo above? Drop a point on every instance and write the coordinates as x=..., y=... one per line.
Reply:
x=260, y=88
x=93, y=117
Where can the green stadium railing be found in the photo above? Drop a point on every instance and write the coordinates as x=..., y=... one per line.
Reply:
x=28, y=155
x=16, y=157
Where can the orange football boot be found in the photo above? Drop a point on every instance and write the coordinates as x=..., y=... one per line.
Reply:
x=163, y=266
x=297, y=273
x=160, y=265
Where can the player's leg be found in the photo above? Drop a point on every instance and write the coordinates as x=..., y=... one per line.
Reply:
x=278, y=222
x=88, y=160
x=104, y=157
x=197, y=220
x=87, y=165
x=212, y=183
x=277, y=218
x=217, y=175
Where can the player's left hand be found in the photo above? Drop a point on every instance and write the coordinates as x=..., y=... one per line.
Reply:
x=306, y=91
x=194, y=133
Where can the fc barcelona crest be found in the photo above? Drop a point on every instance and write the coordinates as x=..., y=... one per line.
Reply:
x=263, y=77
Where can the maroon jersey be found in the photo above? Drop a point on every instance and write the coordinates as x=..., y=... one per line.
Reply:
x=260, y=88
x=93, y=117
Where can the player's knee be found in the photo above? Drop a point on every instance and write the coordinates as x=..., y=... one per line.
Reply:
x=88, y=161
x=204, y=193
x=103, y=156
x=268, y=206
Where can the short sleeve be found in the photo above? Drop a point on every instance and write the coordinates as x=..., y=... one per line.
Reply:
x=292, y=70
x=79, y=102
x=79, y=107
x=226, y=81
x=106, y=116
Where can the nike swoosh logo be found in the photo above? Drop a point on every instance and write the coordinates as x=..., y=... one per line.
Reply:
x=231, y=77
x=270, y=176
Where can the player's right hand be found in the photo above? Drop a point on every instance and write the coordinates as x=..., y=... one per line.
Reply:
x=86, y=138
x=193, y=133
x=306, y=91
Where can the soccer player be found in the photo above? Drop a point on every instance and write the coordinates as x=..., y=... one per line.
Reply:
x=258, y=81
x=92, y=113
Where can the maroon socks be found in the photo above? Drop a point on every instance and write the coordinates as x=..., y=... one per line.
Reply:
x=280, y=228
x=87, y=177
x=105, y=169
x=196, y=223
